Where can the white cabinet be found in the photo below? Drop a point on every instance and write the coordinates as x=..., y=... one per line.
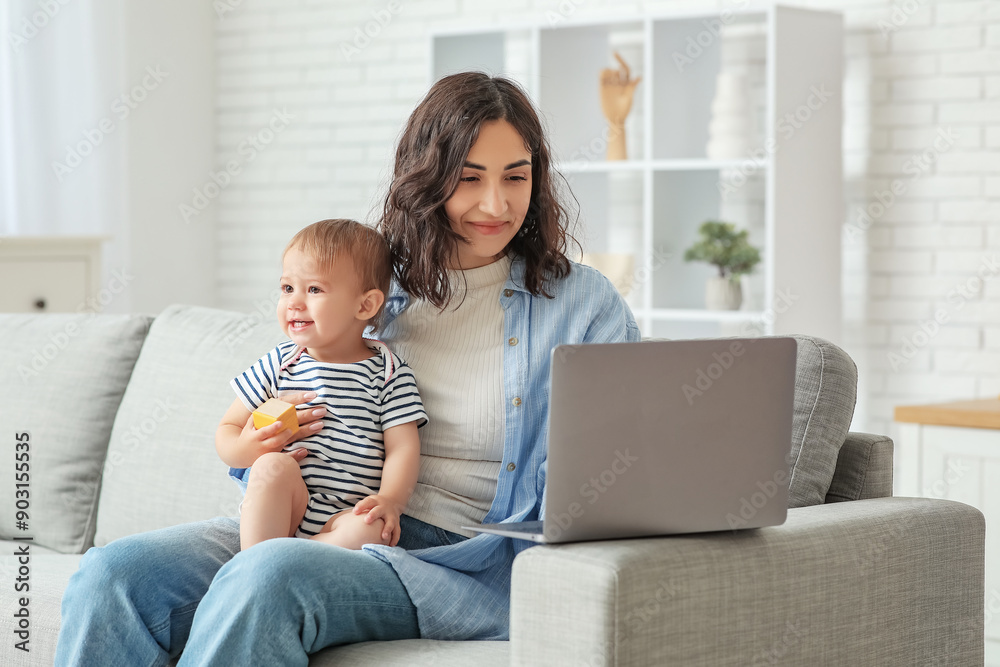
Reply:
x=48, y=274
x=952, y=451
x=783, y=183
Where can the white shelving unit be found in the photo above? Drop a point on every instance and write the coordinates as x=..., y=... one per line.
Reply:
x=785, y=189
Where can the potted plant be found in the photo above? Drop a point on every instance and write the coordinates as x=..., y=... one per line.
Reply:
x=721, y=245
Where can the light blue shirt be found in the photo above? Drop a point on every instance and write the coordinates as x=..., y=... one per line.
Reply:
x=462, y=591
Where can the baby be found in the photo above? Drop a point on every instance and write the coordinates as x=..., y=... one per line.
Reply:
x=364, y=454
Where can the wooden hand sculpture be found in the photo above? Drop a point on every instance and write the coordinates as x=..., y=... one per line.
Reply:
x=617, y=89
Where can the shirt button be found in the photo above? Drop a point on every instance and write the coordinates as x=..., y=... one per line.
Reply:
x=516, y=401
x=512, y=341
x=511, y=467
x=508, y=292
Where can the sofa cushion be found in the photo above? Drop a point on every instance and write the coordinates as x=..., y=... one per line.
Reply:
x=826, y=383
x=48, y=578
x=64, y=376
x=162, y=467
x=864, y=469
x=415, y=652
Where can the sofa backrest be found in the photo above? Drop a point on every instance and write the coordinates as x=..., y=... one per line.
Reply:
x=66, y=376
x=162, y=468
x=63, y=379
x=826, y=385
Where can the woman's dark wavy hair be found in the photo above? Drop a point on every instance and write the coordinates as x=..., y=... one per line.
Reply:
x=429, y=161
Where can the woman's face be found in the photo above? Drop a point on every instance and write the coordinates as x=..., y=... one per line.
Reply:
x=492, y=197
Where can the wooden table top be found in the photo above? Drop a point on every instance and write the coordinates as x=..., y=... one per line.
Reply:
x=984, y=413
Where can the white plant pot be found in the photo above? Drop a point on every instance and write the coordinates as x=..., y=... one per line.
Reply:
x=723, y=294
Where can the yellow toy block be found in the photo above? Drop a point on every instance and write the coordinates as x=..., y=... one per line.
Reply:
x=274, y=410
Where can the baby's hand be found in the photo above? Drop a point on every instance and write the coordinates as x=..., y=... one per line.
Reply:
x=380, y=507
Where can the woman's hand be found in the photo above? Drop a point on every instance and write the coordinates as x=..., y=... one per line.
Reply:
x=309, y=418
x=379, y=507
x=239, y=443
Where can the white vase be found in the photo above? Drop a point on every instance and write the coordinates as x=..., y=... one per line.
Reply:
x=723, y=294
x=729, y=129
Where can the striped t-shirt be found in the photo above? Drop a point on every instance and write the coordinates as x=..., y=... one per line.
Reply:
x=362, y=399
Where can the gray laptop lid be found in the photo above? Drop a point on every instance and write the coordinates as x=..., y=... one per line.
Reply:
x=668, y=437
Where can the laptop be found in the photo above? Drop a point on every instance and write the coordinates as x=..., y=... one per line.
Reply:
x=664, y=438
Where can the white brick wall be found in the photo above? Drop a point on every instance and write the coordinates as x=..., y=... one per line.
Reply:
x=938, y=68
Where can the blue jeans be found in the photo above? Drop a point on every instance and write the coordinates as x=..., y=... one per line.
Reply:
x=143, y=599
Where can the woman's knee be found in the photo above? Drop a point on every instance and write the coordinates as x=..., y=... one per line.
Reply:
x=157, y=556
x=97, y=568
x=284, y=568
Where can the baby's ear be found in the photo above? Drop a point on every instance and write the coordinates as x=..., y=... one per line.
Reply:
x=370, y=303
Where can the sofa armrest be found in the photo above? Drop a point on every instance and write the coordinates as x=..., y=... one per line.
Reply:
x=889, y=581
x=864, y=469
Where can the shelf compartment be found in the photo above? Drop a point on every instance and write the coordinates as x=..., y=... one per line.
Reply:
x=688, y=54
x=682, y=200
x=569, y=70
x=610, y=223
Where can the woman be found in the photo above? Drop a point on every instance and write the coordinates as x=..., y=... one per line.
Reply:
x=483, y=293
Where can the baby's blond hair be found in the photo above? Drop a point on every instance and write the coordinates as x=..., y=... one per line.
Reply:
x=327, y=240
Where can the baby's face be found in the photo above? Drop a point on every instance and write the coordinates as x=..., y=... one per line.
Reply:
x=319, y=305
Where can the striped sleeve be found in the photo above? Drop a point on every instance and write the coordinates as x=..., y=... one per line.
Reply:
x=400, y=399
x=259, y=382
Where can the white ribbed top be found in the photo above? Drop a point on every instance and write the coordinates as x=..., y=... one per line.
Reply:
x=457, y=358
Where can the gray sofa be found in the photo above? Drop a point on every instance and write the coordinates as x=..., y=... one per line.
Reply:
x=120, y=413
